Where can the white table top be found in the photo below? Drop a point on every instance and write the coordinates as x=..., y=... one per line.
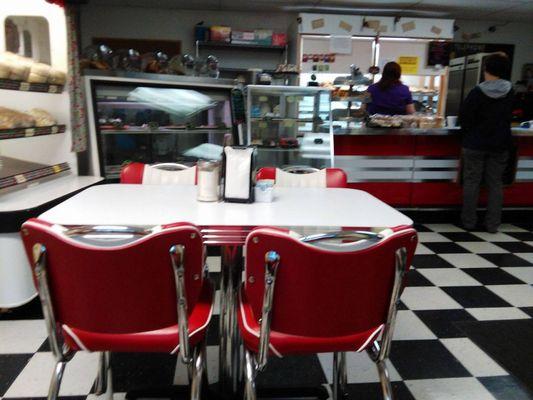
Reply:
x=147, y=205
x=41, y=193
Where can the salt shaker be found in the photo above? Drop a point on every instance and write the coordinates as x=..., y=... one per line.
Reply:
x=208, y=180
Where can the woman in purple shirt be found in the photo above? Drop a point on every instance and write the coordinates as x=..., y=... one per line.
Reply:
x=390, y=96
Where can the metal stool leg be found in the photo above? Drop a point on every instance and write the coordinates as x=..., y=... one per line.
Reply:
x=104, y=377
x=340, y=378
x=249, y=376
x=55, y=383
x=198, y=373
x=385, y=380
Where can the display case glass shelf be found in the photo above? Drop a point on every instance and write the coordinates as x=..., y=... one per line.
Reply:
x=290, y=125
x=151, y=121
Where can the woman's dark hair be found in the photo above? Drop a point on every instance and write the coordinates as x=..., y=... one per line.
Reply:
x=498, y=65
x=391, y=75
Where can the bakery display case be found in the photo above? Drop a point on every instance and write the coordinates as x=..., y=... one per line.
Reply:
x=290, y=125
x=150, y=120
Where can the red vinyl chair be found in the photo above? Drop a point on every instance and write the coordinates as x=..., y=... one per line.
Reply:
x=312, y=295
x=304, y=177
x=109, y=288
x=158, y=174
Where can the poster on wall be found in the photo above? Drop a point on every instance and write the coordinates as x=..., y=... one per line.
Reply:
x=340, y=45
x=409, y=64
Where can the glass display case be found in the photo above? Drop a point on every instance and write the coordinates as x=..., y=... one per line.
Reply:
x=290, y=125
x=179, y=120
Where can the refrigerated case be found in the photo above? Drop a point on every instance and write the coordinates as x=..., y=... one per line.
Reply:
x=151, y=120
x=290, y=125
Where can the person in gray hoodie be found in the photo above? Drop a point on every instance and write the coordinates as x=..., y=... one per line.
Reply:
x=485, y=120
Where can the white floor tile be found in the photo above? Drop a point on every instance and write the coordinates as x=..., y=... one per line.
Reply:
x=410, y=327
x=530, y=243
x=449, y=389
x=428, y=298
x=25, y=336
x=511, y=228
x=495, y=237
x=213, y=262
x=216, y=307
x=516, y=295
x=212, y=363
x=448, y=277
x=421, y=249
x=525, y=274
x=181, y=376
x=116, y=396
x=526, y=256
x=359, y=367
x=428, y=237
x=467, y=261
x=482, y=247
x=497, y=313
x=34, y=380
x=473, y=358
x=444, y=228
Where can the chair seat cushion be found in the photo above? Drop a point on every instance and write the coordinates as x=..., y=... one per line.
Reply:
x=282, y=343
x=160, y=340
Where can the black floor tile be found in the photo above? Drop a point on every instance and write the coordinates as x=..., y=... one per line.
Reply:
x=506, y=260
x=430, y=261
x=506, y=388
x=475, y=297
x=461, y=237
x=524, y=236
x=372, y=391
x=402, y=306
x=425, y=359
x=421, y=228
x=528, y=311
x=11, y=365
x=142, y=370
x=45, y=347
x=414, y=278
x=32, y=310
x=292, y=371
x=492, y=276
x=213, y=335
x=445, y=247
x=443, y=322
x=515, y=247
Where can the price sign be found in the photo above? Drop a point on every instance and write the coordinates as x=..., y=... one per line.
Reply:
x=52, y=89
x=409, y=64
x=29, y=132
x=20, y=179
x=24, y=86
x=57, y=169
x=54, y=129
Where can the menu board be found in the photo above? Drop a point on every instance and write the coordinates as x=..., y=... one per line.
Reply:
x=439, y=53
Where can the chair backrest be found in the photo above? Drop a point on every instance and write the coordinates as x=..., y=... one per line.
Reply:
x=158, y=174
x=324, y=293
x=123, y=288
x=327, y=177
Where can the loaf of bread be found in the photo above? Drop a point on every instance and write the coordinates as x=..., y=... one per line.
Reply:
x=39, y=73
x=42, y=117
x=10, y=119
x=57, y=77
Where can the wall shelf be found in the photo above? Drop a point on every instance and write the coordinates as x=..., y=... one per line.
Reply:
x=20, y=172
x=18, y=133
x=251, y=46
x=30, y=87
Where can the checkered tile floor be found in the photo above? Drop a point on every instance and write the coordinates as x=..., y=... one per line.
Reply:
x=456, y=276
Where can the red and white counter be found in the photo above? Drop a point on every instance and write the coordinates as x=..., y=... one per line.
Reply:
x=419, y=167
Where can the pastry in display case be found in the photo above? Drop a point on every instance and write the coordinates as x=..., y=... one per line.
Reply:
x=172, y=119
x=289, y=125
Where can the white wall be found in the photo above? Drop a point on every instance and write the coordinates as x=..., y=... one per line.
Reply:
x=519, y=34
x=172, y=24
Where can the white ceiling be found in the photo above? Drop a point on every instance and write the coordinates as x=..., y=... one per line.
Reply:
x=496, y=10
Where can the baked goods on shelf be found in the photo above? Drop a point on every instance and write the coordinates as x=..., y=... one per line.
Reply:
x=421, y=121
x=42, y=117
x=10, y=119
x=18, y=68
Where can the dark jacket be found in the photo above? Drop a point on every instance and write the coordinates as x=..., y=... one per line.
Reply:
x=485, y=117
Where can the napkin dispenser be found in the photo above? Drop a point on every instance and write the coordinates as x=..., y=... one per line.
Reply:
x=238, y=168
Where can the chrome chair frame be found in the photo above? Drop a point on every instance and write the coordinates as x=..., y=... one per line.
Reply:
x=196, y=362
x=378, y=352
x=300, y=169
x=170, y=166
